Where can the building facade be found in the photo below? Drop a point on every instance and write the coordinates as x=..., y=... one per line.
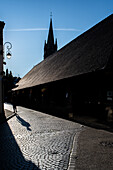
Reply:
x=77, y=79
x=1, y=69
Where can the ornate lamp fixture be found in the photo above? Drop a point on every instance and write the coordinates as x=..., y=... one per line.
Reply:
x=8, y=52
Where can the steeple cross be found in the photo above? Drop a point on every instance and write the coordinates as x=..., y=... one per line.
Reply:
x=50, y=14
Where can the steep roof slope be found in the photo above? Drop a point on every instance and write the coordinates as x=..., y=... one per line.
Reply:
x=88, y=52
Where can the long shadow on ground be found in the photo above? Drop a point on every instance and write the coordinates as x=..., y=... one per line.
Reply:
x=23, y=122
x=11, y=157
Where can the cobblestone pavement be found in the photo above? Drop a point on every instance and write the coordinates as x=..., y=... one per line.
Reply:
x=34, y=140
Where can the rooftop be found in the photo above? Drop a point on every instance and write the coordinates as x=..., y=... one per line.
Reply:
x=87, y=53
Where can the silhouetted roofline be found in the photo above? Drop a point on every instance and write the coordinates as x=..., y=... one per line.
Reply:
x=87, y=53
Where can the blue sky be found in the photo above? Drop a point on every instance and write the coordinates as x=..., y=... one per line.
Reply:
x=27, y=23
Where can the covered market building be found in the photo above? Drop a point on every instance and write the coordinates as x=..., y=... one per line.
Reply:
x=76, y=79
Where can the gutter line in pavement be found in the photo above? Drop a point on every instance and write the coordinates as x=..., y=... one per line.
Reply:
x=73, y=155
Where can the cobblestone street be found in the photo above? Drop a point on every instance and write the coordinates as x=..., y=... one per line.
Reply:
x=34, y=140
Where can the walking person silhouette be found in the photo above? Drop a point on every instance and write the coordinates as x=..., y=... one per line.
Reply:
x=14, y=103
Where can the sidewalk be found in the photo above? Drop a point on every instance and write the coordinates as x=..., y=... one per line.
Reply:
x=94, y=150
x=85, y=120
x=35, y=139
x=92, y=147
x=8, y=114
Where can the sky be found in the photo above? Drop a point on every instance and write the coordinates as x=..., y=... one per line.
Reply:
x=27, y=23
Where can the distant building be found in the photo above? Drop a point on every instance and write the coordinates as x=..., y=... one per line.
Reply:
x=75, y=79
x=50, y=47
x=9, y=82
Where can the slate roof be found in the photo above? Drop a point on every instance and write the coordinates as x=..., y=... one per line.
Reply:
x=87, y=53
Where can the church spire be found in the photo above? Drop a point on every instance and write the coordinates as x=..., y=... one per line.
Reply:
x=50, y=35
x=50, y=47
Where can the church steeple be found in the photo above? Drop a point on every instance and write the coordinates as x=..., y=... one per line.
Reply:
x=50, y=47
x=50, y=35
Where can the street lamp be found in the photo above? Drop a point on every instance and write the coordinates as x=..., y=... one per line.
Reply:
x=8, y=52
x=8, y=55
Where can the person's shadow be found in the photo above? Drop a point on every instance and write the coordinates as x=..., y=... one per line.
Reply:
x=23, y=122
